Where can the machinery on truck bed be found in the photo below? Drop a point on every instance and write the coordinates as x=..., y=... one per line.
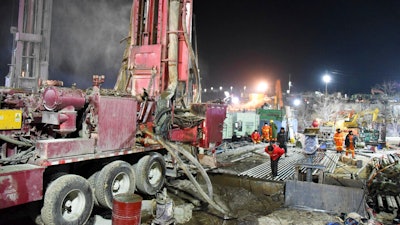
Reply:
x=70, y=149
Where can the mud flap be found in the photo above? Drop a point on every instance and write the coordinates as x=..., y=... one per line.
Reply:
x=323, y=197
x=20, y=184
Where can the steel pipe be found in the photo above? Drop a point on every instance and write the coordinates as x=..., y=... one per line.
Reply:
x=389, y=203
x=380, y=203
x=395, y=206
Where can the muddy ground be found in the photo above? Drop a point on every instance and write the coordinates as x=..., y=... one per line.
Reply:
x=251, y=208
x=246, y=205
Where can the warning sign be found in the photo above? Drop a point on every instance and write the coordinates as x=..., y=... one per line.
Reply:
x=10, y=119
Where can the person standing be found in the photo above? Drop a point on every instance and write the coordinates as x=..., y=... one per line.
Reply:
x=255, y=137
x=282, y=138
x=350, y=143
x=338, y=139
x=265, y=130
x=273, y=130
x=275, y=153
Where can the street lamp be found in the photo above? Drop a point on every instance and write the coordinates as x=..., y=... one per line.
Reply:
x=262, y=87
x=326, y=78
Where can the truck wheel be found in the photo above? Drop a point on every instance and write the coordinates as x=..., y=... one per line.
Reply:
x=115, y=178
x=150, y=171
x=92, y=181
x=68, y=200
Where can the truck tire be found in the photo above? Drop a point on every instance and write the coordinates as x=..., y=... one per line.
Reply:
x=68, y=200
x=92, y=181
x=150, y=173
x=115, y=178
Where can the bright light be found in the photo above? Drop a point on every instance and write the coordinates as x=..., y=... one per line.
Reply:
x=326, y=78
x=296, y=102
x=262, y=87
x=235, y=100
x=226, y=94
x=205, y=89
x=220, y=88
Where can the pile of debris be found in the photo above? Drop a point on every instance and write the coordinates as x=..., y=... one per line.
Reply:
x=384, y=188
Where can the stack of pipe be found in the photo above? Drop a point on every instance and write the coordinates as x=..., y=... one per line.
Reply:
x=392, y=203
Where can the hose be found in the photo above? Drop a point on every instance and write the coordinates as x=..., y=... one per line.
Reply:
x=13, y=141
x=172, y=150
x=17, y=158
x=172, y=51
x=193, y=180
x=192, y=57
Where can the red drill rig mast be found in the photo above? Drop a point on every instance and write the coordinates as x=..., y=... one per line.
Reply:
x=70, y=149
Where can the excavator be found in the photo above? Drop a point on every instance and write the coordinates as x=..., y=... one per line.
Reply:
x=364, y=124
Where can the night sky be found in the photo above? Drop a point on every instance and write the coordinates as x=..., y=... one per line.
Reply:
x=240, y=42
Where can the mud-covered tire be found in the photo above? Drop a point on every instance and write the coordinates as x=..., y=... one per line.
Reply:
x=68, y=200
x=115, y=178
x=150, y=173
x=92, y=181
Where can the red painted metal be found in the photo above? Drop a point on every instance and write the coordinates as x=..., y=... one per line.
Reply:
x=56, y=98
x=186, y=135
x=126, y=209
x=116, y=123
x=20, y=184
x=58, y=148
x=70, y=125
x=214, y=115
x=149, y=42
x=147, y=62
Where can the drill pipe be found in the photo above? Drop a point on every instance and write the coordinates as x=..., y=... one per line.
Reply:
x=389, y=203
x=395, y=206
x=390, y=158
x=380, y=203
x=398, y=200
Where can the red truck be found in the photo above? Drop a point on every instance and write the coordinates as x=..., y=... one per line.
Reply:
x=70, y=150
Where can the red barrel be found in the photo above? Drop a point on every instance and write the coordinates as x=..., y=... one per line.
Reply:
x=126, y=209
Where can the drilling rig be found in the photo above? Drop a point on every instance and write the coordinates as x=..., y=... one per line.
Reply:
x=71, y=150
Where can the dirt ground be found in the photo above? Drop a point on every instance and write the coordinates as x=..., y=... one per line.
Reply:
x=246, y=207
x=250, y=208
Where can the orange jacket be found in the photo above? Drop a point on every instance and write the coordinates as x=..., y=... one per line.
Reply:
x=338, y=138
x=255, y=136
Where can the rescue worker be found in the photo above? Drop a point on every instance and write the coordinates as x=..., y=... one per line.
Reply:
x=338, y=139
x=350, y=143
x=265, y=130
x=275, y=153
x=282, y=138
x=255, y=137
x=273, y=130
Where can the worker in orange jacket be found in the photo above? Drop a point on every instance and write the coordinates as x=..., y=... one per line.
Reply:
x=275, y=153
x=266, y=129
x=350, y=142
x=255, y=137
x=338, y=139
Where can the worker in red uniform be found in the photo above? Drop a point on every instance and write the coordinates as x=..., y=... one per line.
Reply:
x=275, y=153
x=338, y=139
x=256, y=137
x=265, y=130
x=350, y=143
